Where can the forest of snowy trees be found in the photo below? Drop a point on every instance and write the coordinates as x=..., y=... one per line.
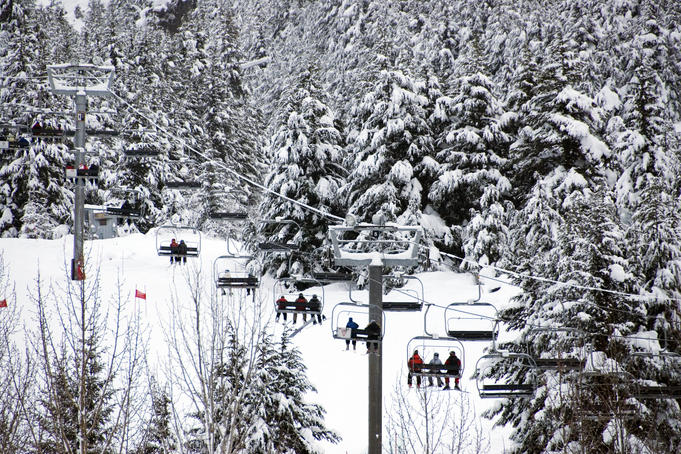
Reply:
x=545, y=135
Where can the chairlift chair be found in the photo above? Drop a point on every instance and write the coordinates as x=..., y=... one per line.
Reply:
x=414, y=301
x=190, y=235
x=472, y=321
x=606, y=395
x=427, y=346
x=228, y=215
x=340, y=315
x=561, y=363
x=329, y=277
x=290, y=306
x=355, y=245
x=279, y=246
x=188, y=184
x=671, y=361
x=233, y=278
x=14, y=144
x=489, y=387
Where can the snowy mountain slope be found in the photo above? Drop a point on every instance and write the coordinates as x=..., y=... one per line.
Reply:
x=339, y=376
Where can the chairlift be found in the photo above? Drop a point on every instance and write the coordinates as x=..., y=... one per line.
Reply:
x=521, y=384
x=11, y=143
x=359, y=313
x=277, y=244
x=427, y=347
x=228, y=215
x=291, y=304
x=141, y=151
x=330, y=276
x=670, y=361
x=472, y=321
x=605, y=395
x=413, y=299
x=190, y=235
x=88, y=174
x=236, y=276
x=560, y=363
x=46, y=131
x=187, y=184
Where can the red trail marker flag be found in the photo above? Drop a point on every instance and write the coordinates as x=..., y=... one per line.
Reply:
x=140, y=295
x=3, y=303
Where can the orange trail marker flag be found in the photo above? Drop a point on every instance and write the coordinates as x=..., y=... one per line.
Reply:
x=3, y=303
x=140, y=295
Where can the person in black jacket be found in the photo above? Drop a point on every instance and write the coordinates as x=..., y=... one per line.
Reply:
x=182, y=250
x=373, y=331
x=316, y=306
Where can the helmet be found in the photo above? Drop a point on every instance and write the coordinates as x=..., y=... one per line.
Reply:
x=300, y=295
x=436, y=354
x=416, y=352
x=314, y=296
x=452, y=353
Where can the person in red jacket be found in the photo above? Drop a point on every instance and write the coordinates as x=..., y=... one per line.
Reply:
x=301, y=305
x=281, y=305
x=414, y=364
x=453, y=365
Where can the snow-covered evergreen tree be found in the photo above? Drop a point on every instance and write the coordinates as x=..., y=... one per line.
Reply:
x=286, y=421
x=471, y=153
x=389, y=139
x=306, y=155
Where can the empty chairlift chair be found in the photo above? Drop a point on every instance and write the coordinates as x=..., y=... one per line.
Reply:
x=472, y=321
x=521, y=382
x=284, y=240
x=230, y=272
x=404, y=299
x=572, y=341
x=653, y=364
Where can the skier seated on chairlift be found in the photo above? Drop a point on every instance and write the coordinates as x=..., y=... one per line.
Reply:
x=173, y=250
x=281, y=305
x=435, y=362
x=182, y=250
x=454, y=368
x=352, y=326
x=373, y=331
x=414, y=364
x=301, y=303
x=316, y=306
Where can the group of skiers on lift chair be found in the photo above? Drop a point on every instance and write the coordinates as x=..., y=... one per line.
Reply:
x=301, y=305
x=452, y=365
x=373, y=331
x=178, y=251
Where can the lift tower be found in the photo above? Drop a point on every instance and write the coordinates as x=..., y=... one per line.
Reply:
x=79, y=81
x=375, y=245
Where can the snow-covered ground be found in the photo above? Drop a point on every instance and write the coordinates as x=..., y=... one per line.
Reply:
x=339, y=376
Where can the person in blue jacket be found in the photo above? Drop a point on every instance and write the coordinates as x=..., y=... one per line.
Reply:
x=352, y=326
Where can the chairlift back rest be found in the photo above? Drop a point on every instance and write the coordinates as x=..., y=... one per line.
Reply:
x=292, y=306
x=401, y=306
x=332, y=277
x=123, y=212
x=437, y=369
x=559, y=363
x=486, y=335
x=271, y=246
x=355, y=334
x=192, y=251
x=244, y=282
x=658, y=392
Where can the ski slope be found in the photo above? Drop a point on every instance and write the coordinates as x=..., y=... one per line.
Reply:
x=340, y=377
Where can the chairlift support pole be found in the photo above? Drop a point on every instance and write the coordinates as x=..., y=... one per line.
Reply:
x=79, y=81
x=375, y=266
